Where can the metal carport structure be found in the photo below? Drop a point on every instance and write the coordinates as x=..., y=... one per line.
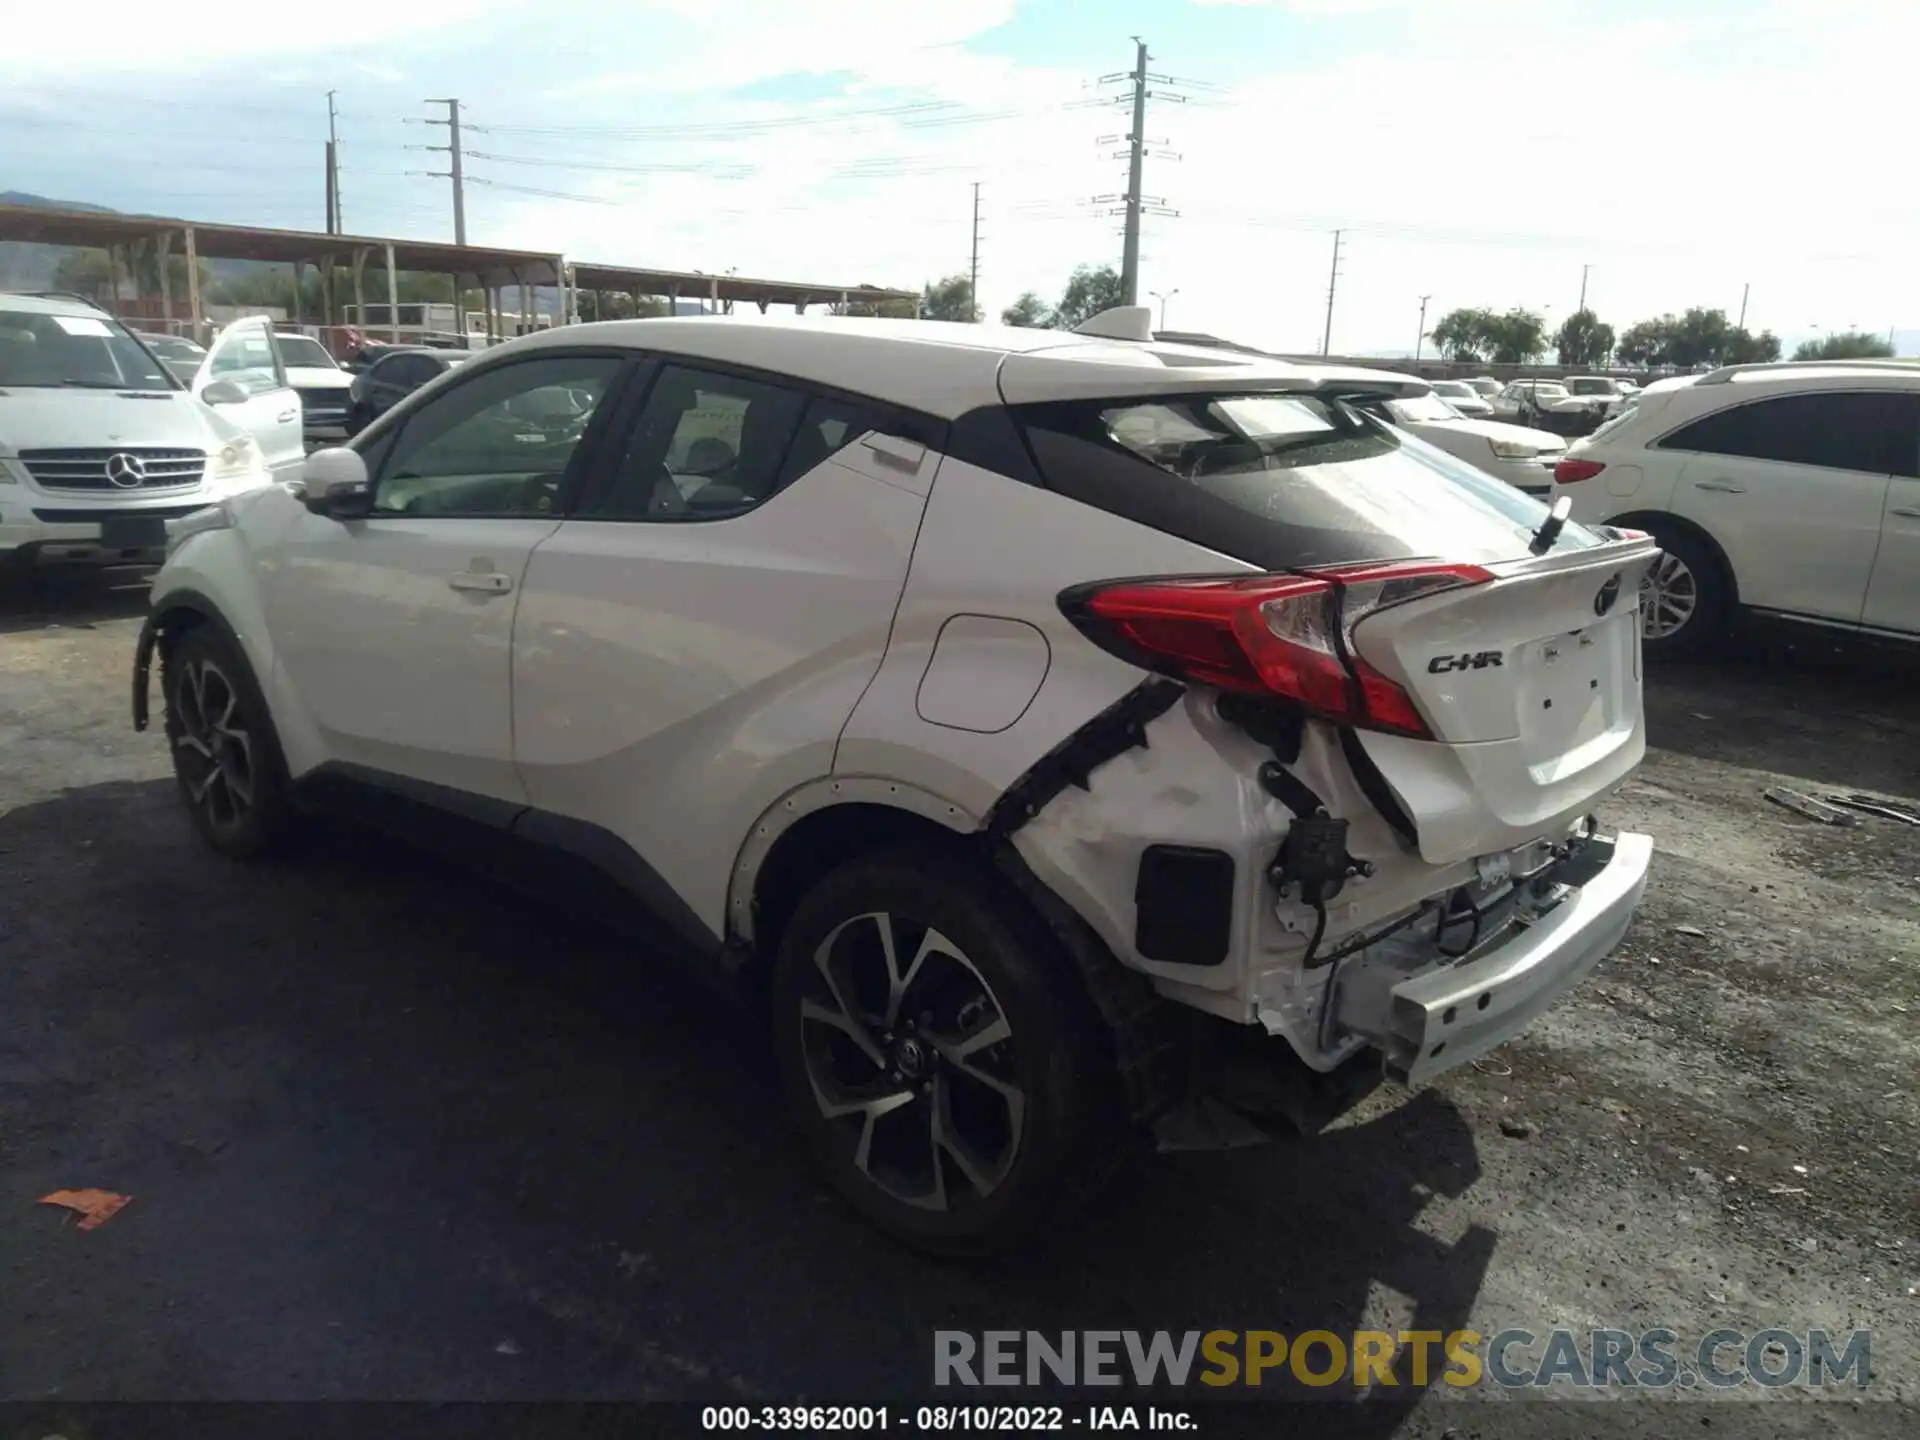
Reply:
x=676, y=285
x=470, y=267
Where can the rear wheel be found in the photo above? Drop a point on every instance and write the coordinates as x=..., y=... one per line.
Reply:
x=939, y=1056
x=1683, y=597
x=225, y=753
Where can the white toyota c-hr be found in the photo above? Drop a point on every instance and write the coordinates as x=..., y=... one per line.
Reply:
x=1034, y=722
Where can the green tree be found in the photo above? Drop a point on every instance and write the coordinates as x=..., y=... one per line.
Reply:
x=1029, y=312
x=1700, y=337
x=1648, y=344
x=949, y=299
x=85, y=272
x=877, y=309
x=1746, y=349
x=1853, y=345
x=1465, y=334
x=1517, y=337
x=1583, y=340
x=1090, y=289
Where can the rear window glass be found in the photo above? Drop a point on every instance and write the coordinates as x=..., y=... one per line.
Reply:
x=1280, y=481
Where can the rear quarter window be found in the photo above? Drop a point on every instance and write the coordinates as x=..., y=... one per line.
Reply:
x=1279, y=481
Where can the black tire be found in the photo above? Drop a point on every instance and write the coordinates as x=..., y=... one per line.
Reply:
x=226, y=754
x=1038, y=1161
x=1700, y=579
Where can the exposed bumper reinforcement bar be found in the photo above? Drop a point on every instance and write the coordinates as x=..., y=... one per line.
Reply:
x=1451, y=1016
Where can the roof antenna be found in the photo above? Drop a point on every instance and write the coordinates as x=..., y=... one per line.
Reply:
x=1122, y=322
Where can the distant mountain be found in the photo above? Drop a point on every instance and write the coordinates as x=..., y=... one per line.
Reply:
x=21, y=197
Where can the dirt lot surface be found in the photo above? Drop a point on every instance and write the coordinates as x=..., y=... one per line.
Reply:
x=391, y=1136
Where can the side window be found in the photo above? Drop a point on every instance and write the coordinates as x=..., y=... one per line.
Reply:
x=247, y=360
x=1839, y=430
x=706, y=446
x=501, y=444
x=410, y=371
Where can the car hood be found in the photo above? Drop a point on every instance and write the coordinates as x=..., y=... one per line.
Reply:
x=1452, y=435
x=317, y=377
x=44, y=419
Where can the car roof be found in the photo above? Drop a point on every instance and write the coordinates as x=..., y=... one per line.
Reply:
x=46, y=305
x=950, y=368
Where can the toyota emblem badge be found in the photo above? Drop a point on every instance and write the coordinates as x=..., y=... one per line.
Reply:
x=1609, y=592
x=126, y=471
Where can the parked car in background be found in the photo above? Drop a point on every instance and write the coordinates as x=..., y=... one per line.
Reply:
x=1522, y=457
x=1485, y=386
x=1789, y=488
x=101, y=444
x=1602, y=393
x=180, y=355
x=1463, y=398
x=1017, y=717
x=320, y=383
x=394, y=375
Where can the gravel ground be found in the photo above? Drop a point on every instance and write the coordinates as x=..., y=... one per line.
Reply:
x=390, y=1136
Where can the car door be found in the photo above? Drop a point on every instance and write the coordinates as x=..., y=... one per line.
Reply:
x=692, y=640
x=1793, y=489
x=1893, y=591
x=246, y=356
x=394, y=631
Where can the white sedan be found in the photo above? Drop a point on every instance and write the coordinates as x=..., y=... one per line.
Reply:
x=1464, y=398
x=1522, y=457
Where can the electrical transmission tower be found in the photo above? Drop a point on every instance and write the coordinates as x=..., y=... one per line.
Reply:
x=452, y=149
x=1135, y=202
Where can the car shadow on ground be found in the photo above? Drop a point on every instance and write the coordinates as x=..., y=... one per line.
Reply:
x=48, y=597
x=393, y=1135
x=1841, y=712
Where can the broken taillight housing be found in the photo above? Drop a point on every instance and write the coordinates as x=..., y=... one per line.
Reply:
x=1285, y=635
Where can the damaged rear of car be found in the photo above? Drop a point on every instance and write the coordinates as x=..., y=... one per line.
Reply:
x=1368, y=820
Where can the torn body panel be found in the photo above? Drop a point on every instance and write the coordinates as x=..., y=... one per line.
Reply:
x=1194, y=786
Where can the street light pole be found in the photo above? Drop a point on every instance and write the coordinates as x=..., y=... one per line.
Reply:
x=1421, y=334
x=1163, y=298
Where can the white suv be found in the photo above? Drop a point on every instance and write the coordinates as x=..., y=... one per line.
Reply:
x=100, y=444
x=1030, y=719
x=1789, y=488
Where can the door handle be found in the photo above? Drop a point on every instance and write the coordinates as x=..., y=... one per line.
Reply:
x=1725, y=487
x=486, y=582
x=285, y=415
x=1907, y=512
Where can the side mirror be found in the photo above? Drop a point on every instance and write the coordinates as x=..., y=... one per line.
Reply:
x=334, y=483
x=224, y=392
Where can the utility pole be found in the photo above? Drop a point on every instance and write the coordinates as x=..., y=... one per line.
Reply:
x=1742, y=324
x=1421, y=335
x=452, y=147
x=973, y=267
x=1333, y=280
x=1136, y=162
x=1583, y=286
x=1163, y=297
x=333, y=169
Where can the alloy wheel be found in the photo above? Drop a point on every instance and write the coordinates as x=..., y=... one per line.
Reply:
x=909, y=1053
x=1669, y=594
x=213, y=749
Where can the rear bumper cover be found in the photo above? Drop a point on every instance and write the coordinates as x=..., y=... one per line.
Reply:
x=1448, y=1017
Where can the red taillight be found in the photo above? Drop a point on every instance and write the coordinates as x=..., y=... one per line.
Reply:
x=1288, y=635
x=1573, y=468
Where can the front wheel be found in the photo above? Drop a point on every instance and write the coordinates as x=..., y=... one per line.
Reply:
x=939, y=1056
x=1683, y=597
x=226, y=755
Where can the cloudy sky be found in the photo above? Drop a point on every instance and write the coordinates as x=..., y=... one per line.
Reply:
x=1480, y=152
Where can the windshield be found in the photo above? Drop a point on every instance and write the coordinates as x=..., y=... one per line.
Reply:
x=1420, y=408
x=1453, y=389
x=1280, y=481
x=1544, y=391
x=172, y=347
x=84, y=352
x=304, y=351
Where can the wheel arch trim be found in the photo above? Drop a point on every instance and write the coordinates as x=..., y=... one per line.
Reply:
x=826, y=793
x=159, y=624
x=1647, y=519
